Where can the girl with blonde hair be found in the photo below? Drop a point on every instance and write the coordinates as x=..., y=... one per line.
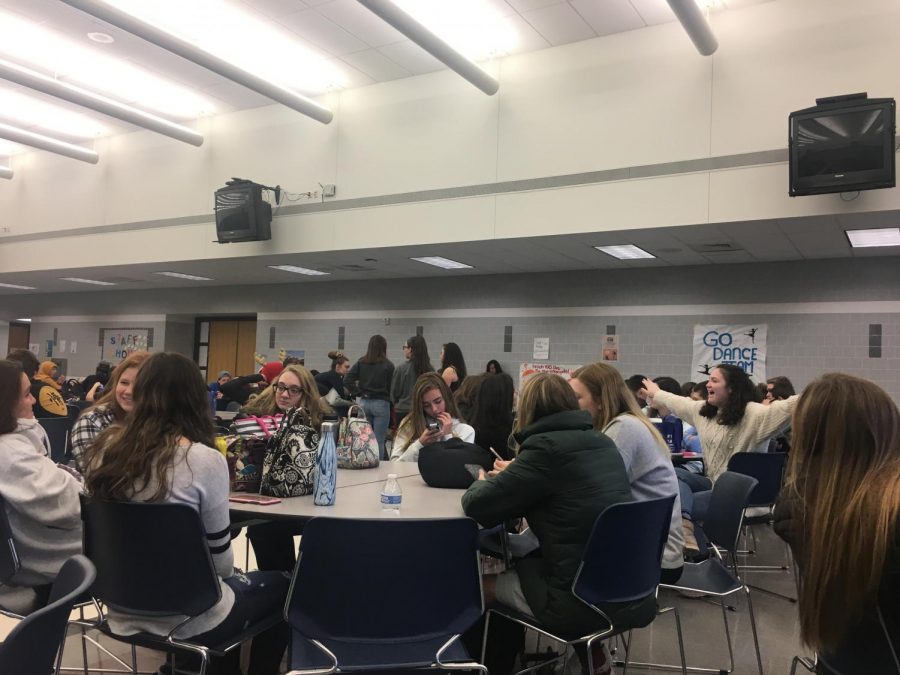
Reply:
x=293, y=387
x=603, y=393
x=840, y=511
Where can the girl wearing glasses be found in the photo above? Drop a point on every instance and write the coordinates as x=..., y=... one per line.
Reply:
x=293, y=387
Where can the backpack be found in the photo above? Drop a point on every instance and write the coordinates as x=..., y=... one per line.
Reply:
x=290, y=461
x=443, y=464
x=357, y=445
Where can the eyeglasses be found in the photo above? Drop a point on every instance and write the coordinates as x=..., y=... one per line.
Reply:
x=293, y=391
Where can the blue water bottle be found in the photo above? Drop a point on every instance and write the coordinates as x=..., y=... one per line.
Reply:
x=325, y=476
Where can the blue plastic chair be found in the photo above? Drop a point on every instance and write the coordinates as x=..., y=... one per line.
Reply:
x=730, y=495
x=384, y=595
x=58, y=429
x=31, y=648
x=628, y=576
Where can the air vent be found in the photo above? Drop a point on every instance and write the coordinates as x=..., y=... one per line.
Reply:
x=717, y=247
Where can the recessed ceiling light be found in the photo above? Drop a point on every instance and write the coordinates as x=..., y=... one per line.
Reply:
x=179, y=275
x=79, y=280
x=102, y=38
x=24, y=320
x=21, y=288
x=443, y=263
x=885, y=236
x=299, y=270
x=625, y=252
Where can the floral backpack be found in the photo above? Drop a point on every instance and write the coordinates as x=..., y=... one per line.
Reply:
x=357, y=446
x=290, y=462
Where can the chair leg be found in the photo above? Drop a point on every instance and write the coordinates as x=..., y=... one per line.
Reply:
x=753, y=626
x=727, y=637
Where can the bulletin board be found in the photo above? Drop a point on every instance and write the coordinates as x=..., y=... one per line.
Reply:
x=117, y=343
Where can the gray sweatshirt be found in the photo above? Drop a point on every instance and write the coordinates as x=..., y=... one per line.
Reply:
x=651, y=475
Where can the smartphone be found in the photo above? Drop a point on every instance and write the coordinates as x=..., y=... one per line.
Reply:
x=496, y=454
x=432, y=424
x=261, y=500
x=474, y=469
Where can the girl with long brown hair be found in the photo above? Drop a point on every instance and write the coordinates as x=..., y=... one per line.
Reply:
x=111, y=408
x=840, y=510
x=293, y=387
x=372, y=375
x=164, y=453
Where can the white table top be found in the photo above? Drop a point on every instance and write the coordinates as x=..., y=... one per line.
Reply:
x=379, y=474
x=363, y=500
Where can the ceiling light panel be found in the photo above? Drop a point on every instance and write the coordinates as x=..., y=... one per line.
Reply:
x=299, y=270
x=32, y=112
x=239, y=35
x=18, y=288
x=8, y=148
x=79, y=280
x=179, y=275
x=475, y=28
x=885, y=236
x=443, y=263
x=625, y=252
x=30, y=44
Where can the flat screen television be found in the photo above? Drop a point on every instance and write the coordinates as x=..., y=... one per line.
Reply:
x=842, y=145
x=242, y=214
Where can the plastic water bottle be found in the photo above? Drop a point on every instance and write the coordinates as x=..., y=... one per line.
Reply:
x=325, y=476
x=391, y=495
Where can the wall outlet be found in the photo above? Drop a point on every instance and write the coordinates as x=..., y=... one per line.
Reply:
x=329, y=190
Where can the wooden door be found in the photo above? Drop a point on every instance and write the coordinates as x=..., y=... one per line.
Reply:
x=232, y=344
x=18, y=336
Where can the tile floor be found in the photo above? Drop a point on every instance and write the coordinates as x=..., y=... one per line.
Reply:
x=701, y=622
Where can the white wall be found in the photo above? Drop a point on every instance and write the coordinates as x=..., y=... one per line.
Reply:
x=639, y=98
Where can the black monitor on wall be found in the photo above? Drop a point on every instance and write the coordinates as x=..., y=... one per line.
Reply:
x=242, y=214
x=844, y=144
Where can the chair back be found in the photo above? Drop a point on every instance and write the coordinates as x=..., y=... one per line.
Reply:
x=58, y=429
x=31, y=647
x=765, y=467
x=385, y=580
x=867, y=648
x=9, y=559
x=730, y=496
x=152, y=559
x=637, y=532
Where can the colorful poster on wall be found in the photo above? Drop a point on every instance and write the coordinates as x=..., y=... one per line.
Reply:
x=741, y=345
x=610, y=351
x=527, y=370
x=120, y=342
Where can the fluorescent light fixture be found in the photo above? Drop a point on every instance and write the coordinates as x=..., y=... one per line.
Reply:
x=885, y=236
x=69, y=92
x=179, y=275
x=625, y=252
x=56, y=55
x=8, y=149
x=443, y=263
x=217, y=36
x=6, y=172
x=20, y=288
x=415, y=30
x=691, y=18
x=48, y=143
x=299, y=270
x=79, y=280
x=24, y=320
x=33, y=112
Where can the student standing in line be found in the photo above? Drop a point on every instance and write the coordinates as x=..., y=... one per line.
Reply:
x=165, y=453
x=453, y=365
x=372, y=376
x=415, y=351
x=840, y=512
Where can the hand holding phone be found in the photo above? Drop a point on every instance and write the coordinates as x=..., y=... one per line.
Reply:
x=476, y=470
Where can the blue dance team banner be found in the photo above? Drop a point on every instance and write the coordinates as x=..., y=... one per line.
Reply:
x=741, y=345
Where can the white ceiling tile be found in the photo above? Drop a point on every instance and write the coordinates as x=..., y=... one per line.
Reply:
x=654, y=12
x=322, y=32
x=529, y=5
x=376, y=65
x=236, y=95
x=275, y=8
x=763, y=239
x=412, y=57
x=361, y=22
x=527, y=38
x=559, y=24
x=609, y=16
x=352, y=77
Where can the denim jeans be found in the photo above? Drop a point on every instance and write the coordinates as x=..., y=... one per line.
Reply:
x=378, y=412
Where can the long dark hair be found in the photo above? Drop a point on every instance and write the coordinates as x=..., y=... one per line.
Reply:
x=377, y=350
x=741, y=391
x=493, y=405
x=10, y=391
x=418, y=355
x=453, y=357
x=415, y=420
x=493, y=362
x=170, y=403
x=844, y=474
